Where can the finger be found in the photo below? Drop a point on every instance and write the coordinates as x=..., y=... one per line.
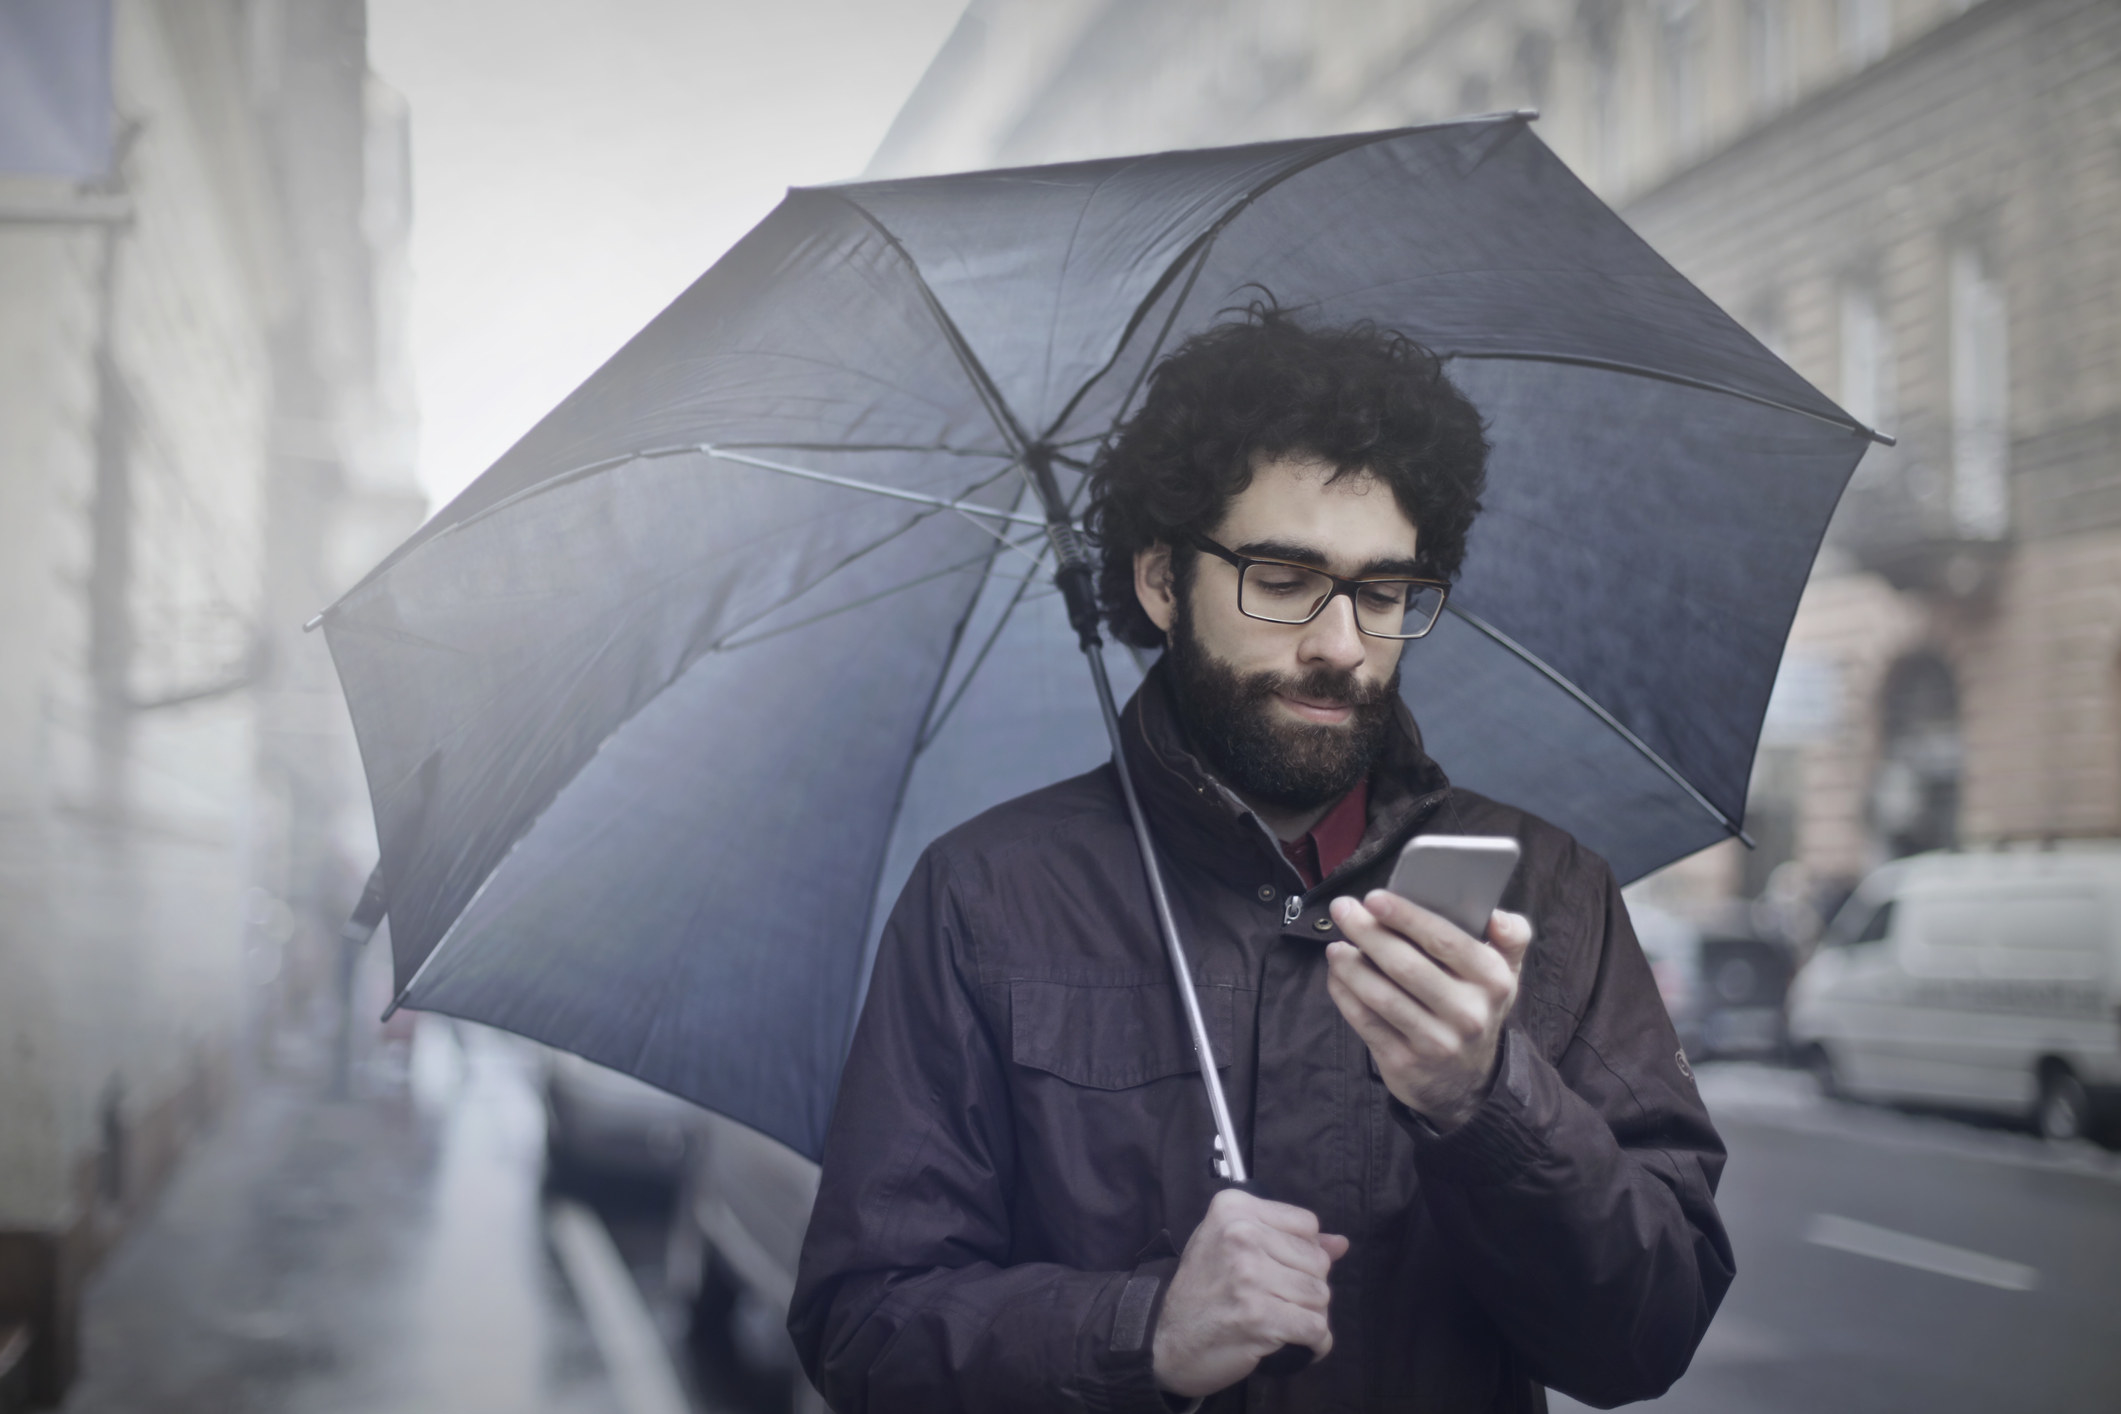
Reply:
x=1434, y=1008
x=1394, y=1050
x=1287, y=1323
x=1449, y=945
x=1287, y=1284
x=1511, y=934
x=1394, y=1055
x=1334, y=1245
x=1391, y=1048
x=1281, y=1217
x=1285, y=1251
x=1234, y=1205
x=1402, y=961
x=1379, y=1035
x=1408, y=961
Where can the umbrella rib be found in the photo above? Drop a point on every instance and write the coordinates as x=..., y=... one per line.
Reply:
x=933, y=727
x=942, y=503
x=450, y=933
x=982, y=383
x=898, y=804
x=723, y=452
x=983, y=557
x=932, y=448
x=1197, y=252
x=1682, y=380
x=1591, y=705
x=934, y=504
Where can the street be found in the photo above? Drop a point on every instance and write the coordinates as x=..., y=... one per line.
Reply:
x=1812, y=1325
x=401, y=1251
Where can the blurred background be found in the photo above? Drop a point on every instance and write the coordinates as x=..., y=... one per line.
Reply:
x=279, y=277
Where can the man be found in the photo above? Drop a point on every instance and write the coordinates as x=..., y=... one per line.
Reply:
x=1492, y=1169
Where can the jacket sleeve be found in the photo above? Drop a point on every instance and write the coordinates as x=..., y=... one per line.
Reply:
x=906, y=1297
x=1580, y=1198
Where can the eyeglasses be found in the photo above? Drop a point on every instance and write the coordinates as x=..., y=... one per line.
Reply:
x=1281, y=593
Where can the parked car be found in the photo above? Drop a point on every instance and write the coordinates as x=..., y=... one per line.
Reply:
x=1723, y=987
x=1745, y=981
x=1673, y=947
x=1986, y=980
x=735, y=1240
x=601, y=1124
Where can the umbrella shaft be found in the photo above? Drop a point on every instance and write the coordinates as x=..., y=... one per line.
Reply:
x=1182, y=972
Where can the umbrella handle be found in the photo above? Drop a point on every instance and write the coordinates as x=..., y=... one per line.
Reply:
x=1290, y=1358
x=1076, y=581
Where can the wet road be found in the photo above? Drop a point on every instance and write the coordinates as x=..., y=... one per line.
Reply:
x=1892, y=1262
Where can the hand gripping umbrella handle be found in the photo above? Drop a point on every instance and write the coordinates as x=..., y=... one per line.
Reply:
x=1290, y=1358
x=1075, y=580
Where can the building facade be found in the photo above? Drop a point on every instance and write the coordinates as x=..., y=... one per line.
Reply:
x=1913, y=201
x=205, y=428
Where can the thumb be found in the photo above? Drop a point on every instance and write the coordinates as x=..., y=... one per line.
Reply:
x=1511, y=935
x=1334, y=1245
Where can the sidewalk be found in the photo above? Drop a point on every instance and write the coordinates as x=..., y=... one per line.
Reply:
x=371, y=1256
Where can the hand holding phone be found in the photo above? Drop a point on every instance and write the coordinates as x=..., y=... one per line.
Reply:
x=1430, y=1001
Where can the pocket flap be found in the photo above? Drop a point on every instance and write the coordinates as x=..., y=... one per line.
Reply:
x=1111, y=1037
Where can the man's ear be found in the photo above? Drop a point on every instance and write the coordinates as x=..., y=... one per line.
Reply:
x=1155, y=586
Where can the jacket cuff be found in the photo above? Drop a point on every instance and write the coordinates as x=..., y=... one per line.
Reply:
x=1130, y=1357
x=1499, y=1141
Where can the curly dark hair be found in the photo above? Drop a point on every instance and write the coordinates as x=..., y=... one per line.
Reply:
x=1360, y=398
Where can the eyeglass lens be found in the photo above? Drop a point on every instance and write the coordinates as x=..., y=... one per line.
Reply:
x=1290, y=594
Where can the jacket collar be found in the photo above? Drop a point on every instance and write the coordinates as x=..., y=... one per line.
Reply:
x=1198, y=821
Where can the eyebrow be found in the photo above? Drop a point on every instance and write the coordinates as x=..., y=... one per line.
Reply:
x=1297, y=554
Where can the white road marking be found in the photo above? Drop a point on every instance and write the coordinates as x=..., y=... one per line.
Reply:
x=625, y=1333
x=1848, y=1235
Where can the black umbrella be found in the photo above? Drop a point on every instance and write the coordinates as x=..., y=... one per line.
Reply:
x=657, y=714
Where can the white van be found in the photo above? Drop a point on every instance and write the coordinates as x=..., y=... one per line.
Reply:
x=1986, y=979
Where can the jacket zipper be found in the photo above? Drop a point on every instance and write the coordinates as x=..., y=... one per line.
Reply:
x=1293, y=907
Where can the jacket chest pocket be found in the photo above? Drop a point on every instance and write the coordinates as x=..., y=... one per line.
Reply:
x=1111, y=1037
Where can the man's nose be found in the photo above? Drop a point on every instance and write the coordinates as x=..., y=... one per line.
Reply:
x=1331, y=639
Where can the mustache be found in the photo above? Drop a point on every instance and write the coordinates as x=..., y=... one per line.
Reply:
x=1323, y=684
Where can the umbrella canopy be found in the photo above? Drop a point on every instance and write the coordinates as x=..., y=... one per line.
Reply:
x=658, y=713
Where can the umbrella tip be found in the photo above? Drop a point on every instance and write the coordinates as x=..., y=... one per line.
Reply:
x=311, y=626
x=1529, y=115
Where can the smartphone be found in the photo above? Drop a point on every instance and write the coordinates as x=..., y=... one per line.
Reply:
x=1459, y=876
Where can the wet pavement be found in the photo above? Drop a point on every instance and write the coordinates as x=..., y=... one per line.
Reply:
x=388, y=1252
x=402, y=1251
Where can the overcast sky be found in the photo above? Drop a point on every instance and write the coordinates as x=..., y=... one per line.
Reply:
x=576, y=165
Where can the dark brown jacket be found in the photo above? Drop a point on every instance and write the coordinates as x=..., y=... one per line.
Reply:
x=1021, y=1144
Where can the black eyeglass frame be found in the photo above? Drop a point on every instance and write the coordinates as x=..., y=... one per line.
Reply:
x=1341, y=586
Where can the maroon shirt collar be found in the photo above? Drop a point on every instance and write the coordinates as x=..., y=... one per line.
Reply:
x=1332, y=839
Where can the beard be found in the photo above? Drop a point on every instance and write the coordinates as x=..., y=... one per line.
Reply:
x=1253, y=747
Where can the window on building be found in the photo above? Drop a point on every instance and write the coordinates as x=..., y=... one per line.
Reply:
x=1767, y=52
x=1869, y=375
x=1915, y=794
x=1599, y=22
x=1533, y=66
x=1866, y=30
x=1683, y=105
x=1980, y=364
